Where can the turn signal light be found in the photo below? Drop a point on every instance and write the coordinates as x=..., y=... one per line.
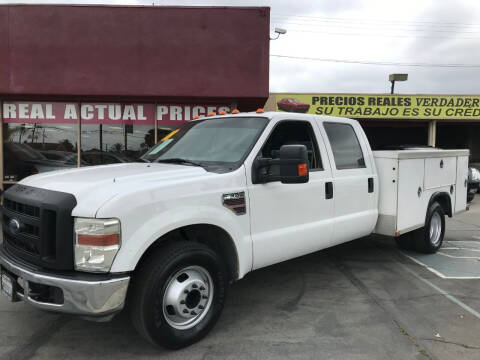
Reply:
x=259, y=111
x=98, y=240
x=222, y=112
x=302, y=170
x=196, y=117
x=211, y=114
x=236, y=111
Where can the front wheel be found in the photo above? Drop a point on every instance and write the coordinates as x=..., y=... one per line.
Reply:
x=177, y=294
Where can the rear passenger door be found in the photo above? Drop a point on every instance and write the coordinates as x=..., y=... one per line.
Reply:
x=355, y=183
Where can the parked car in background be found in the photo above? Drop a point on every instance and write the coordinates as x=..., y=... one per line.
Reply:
x=473, y=183
x=65, y=157
x=293, y=105
x=28, y=161
x=99, y=158
x=476, y=165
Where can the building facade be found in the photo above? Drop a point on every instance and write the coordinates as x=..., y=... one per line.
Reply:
x=89, y=85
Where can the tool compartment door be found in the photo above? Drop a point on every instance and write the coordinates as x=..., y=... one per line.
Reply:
x=440, y=171
x=411, y=201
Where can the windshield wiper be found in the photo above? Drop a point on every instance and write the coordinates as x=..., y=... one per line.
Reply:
x=179, y=161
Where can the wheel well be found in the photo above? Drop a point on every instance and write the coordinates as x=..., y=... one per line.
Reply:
x=444, y=200
x=213, y=236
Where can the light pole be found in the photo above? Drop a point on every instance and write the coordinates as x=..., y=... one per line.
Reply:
x=396, y=77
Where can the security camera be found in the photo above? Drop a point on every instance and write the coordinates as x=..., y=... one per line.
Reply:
x=280, y=31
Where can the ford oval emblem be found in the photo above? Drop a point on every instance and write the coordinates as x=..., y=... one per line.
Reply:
x=14, y=226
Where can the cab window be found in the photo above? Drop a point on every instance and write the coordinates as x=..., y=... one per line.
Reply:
x=346, y=148
x=293, y=133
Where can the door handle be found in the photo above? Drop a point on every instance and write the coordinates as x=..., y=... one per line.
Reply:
x=370, y=185
x=328, y=190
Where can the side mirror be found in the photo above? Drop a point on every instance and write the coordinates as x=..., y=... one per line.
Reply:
x=291, y=166
x=294, y=164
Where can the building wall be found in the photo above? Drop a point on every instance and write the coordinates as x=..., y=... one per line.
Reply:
x=194, y=52
x=89, y=85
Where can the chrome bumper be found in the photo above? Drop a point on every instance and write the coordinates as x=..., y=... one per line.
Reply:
x=90, y=298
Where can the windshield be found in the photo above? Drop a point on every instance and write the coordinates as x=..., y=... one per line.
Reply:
x=218, y=141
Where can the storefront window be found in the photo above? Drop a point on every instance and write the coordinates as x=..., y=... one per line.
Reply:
x=116, y=133
x=35, y=142
x=43, y=136
x=110, y=144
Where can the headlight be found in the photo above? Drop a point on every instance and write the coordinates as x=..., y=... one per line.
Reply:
x=475, y=174
x=96, y=243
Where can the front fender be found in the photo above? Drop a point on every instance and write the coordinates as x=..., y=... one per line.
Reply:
x=146, y=232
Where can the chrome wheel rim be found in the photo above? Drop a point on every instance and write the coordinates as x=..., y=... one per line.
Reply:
x=435, y=229
x=188, y=297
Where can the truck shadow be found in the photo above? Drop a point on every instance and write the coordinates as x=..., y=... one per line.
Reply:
x=269, y=305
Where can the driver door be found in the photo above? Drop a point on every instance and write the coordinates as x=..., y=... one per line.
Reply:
x=290, y=220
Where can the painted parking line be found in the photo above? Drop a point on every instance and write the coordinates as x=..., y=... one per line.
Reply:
x=459, y=248
x=441, y=291
x=457, y=260
x=439, y=274
x=458, y=257
x=462, y=244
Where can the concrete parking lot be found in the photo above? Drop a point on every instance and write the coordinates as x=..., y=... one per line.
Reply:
x=361, y=300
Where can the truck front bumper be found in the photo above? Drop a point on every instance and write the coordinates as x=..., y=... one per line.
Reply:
x=90, y=295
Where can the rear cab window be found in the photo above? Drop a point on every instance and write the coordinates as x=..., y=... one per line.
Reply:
x=346, y=149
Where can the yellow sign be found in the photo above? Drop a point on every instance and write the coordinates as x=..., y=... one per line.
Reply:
x=359, y=106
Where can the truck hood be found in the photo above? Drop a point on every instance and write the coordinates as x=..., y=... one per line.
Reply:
x=92, y=186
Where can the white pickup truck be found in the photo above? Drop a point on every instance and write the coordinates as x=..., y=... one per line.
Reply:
x=223, y=196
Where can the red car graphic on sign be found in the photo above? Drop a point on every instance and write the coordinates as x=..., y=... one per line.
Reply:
x=293, y=105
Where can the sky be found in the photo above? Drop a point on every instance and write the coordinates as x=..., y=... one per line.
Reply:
x=351, y=46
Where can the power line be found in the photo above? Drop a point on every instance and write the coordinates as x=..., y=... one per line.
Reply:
x=382, y=63
x=378, y=34
x=285, y=23
x=377, y=21
x=381, y=24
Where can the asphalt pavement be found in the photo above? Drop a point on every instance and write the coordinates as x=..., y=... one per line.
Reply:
x=360, y=300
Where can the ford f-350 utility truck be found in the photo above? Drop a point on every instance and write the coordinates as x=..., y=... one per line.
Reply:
x=223, y=196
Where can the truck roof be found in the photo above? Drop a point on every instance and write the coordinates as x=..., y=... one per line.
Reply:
x=271, y=115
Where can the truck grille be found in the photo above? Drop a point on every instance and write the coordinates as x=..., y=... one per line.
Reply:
x=22, y=243
x=38, y=226
x=22, y=208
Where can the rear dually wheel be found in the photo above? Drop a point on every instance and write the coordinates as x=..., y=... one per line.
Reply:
x=430, y=238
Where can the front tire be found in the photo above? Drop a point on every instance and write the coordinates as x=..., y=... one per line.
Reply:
x=178, y=294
